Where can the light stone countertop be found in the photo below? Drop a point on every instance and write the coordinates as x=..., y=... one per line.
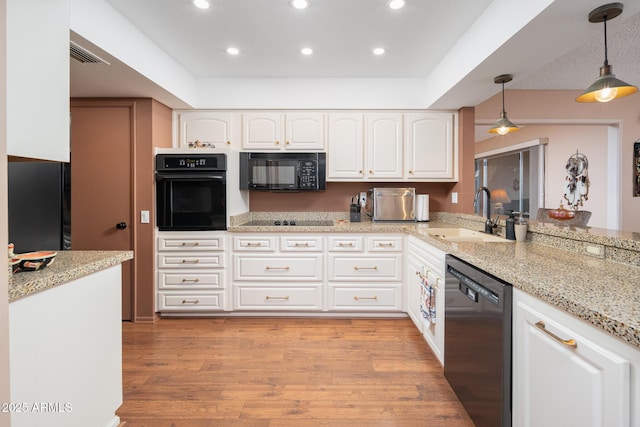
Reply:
x=597, y=290
x=67, y=266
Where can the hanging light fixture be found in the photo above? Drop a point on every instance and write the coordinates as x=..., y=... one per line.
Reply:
x=503, y=126
x=607, y=86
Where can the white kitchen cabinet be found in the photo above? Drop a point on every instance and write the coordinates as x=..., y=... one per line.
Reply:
x=383, y=146
x=207, y=127
x=365, y=273
x=430, y=141
x=37, y=74
x=278, y=272
x=426, y=266
x=345, y=152
x=191, y=276
x=569, y=373
x=264, y=131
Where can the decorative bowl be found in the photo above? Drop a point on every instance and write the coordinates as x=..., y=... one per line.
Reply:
x=32, y=261
x=561, y=214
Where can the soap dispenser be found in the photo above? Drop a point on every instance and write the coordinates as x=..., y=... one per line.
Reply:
x=510, y=232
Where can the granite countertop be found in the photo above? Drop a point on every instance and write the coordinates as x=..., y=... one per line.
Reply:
x=67, y=266
x=599, y=291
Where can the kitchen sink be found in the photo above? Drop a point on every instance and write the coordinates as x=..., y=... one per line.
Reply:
x=464, y=235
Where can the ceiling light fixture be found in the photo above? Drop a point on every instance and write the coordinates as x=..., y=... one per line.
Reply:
x=201, y=4
x=378, y=51
x=306, y=51
x=299, y=4
x=606, y=87
x=233, y=51
x=503, y=126
x=396, y=4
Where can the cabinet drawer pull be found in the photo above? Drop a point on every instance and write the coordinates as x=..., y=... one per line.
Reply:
x=190, y=261
x=385, y=245
x=251, y=244
x=284, y=298
x=345, y=245
x=195, y=301
x=571, y=343
x=190, y=280
x=355, y=267
x=277, y=268
x=301, y=245
x=357, y=298
x=190, y=244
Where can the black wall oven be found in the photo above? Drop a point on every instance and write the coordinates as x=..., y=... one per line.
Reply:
x=191, y=191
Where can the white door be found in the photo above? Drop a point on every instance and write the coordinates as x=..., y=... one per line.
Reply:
x=558, y=385
x=383, y=146
x=262, y=131
x=429, y=149
x=304, y=131
x=205, y=127
x=346, y=144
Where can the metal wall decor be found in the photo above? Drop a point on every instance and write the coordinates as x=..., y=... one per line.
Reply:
x=576, y=184
x=636, y=169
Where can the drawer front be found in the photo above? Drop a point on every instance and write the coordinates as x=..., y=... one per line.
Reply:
x=254, y=243
x=384, y=244
x=191, y=260
x=191, y=244
x=301, y=244
x=250, y=267
x=190, y=279
x=386, y=298
x=247, y=297
x=432, y=258
x=346, y=243
x=379, y=268
x=169, y=301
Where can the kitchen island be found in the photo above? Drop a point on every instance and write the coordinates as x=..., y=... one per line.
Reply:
x=65, y=341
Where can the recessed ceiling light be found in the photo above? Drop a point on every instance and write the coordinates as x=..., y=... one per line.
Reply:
x=201, y=4
x=396, y=4
x=233, y=51
x=306, y=51
x=299, y=4
x=378, y=51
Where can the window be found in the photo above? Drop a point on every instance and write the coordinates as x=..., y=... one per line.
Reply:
x=514, y=179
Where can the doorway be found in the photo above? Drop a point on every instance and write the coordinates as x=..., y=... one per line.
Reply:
x=102, y=140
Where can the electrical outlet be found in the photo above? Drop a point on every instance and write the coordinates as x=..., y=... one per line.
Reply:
x=454, y=197
x=363, y=198
x=144, y=217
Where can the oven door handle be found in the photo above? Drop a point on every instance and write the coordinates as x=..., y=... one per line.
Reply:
x=190, y=176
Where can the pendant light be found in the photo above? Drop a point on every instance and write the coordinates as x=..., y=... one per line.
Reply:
x=607, y=86
x=503, y=126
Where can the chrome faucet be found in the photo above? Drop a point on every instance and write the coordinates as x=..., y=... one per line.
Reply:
x=489, y=224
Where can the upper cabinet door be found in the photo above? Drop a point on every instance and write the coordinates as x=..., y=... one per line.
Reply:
x=430, y=143
x=262, y=131
x=304, y=131
x=205, y=128
x=345, y=147
x=384, y=146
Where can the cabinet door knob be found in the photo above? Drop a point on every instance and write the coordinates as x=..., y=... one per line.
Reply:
x=121, y=225
x=410, y=171
x=228, y=142
x=277, y=142
x=370, y=171
x=287, y=143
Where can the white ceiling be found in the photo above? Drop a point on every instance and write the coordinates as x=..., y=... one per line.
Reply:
x=557, y=49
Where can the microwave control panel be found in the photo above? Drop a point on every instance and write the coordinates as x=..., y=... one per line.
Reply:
x=308, y=174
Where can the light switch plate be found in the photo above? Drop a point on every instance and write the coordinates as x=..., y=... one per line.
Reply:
x=144, y=217
x=454, y=197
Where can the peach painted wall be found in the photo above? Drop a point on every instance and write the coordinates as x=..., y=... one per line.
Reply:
x=559, y=109
x=338, y=194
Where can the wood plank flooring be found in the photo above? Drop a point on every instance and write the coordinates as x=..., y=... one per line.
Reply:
x=283, y=372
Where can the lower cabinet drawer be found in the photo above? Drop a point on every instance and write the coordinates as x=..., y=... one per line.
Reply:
x=303, y=297
x=183, y=301
x=191, y=279
x=379, y=268
x=349, y=298
x=190, y=260
x=290, y=268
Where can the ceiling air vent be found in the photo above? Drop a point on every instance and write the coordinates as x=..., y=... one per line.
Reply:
x=83, y=56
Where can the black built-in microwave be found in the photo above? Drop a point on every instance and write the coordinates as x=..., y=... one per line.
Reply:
x=283, y=171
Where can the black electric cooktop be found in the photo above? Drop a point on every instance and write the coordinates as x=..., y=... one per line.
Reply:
x=290, y=223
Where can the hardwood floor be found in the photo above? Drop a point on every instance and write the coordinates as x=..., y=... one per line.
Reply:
x=277, y=372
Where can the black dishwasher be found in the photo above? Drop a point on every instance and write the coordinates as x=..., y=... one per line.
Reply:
x=477, y=342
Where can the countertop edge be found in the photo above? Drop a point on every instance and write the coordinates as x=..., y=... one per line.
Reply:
x=68, y=266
